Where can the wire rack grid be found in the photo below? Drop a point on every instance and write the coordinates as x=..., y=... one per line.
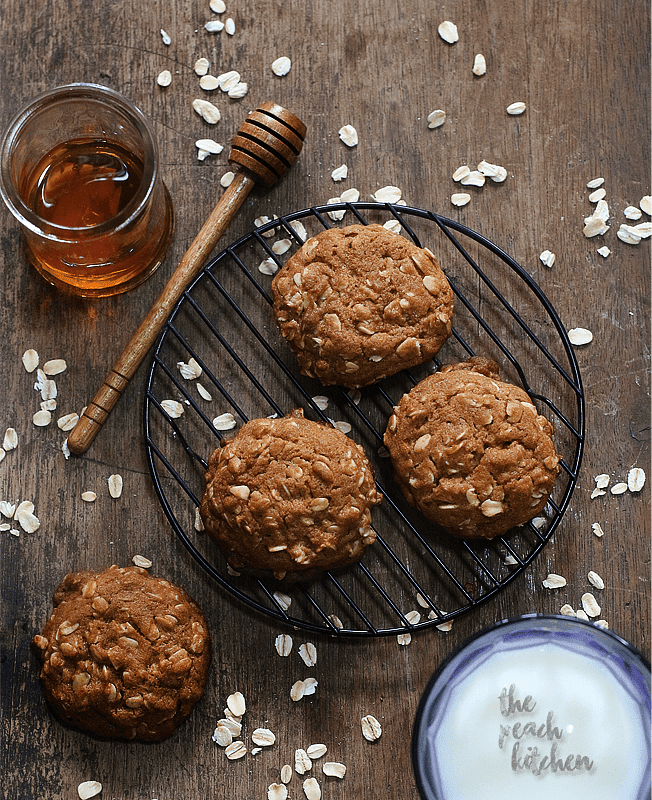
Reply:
x=414, y=576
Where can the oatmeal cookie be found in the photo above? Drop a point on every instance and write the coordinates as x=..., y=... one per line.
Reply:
x=289, y=498
x=124, y=655
x=471, y=452
x=360, y=303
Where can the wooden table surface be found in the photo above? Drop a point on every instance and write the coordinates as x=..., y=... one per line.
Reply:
x=582, y=70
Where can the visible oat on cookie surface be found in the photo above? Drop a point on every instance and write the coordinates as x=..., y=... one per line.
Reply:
x=289, y=497
x=471, y=452
x=124, y=655
x=360, y=303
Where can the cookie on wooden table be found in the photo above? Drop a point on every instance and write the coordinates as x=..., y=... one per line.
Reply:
x=471, y=452
x=124, y=655
x=360, y=303
x=289, y=498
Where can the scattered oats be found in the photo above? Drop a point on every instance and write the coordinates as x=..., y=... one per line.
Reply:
x=599, y=194
x=235, y=750
x=24, y=515
x=619, y=488
x=461, y=172
x=601, y=623
x=141, y=561
x=89, y=497
x=539, y=522
x=202, y=155
x=207, y=111
x=42, y=418
x=340, y=173
x=594, y=226
x=316, y=751
x=202, y=66
x=436, y=118
x=49, y=389
x=404, y=639
x=172, y=408
x=345, y=427
x=635, y=479
x=371, y=729
x=595, y=580
x=460, y=199
x=567, y=610
x=224, y=422
x=479, y=65
x=198, y=524
x=281, y=246
x=493, y=171
x=238, y=91
x=581, y=614
x=601, y=211
x=283, y=600
x=231, y=724
x=214, y=26
x=189, y=371
x=643, y=229
x=590, y=605
x=392, y=225
x=302, y=762
x=321, y=401
x=115, y=485
x=64, y=449
x=277, y=791
x=554, y=581
x=547, y=258
x=350, y=196
x=299, y=228
x=229, y=26
x=260, y=221
x=646, y=204
x=602, y=480
x=311, y=789
x=337, y=622
x=14, y=532
x=10, y=441
x=165, y=37
x=597, y=493
x=413, y=617
x=474, y=178
x=281, y=66
x=631, y=212
x=334, y=769
x=286, y=773
x=236, y=704
x=164, y=78
x=268, y=266
x=89, y=789
x=348, y=135
x=580, y=336
x=593, y=184
x=627, y=234
x=30, y=360
x=445, y=626
x=388, y=194
x=448, y=31
x=308, y=653
x=55, y=366
x=263, y=737
x=283, y=644
x=218, y=6
x=5, y=526
x=310, y=686
x=421, y=600
x=604, y=251
x=203, y=392
x=2, y=454
x=510, y=561
x=597, y=529
x=515, y=108
x=209, y=83
x=68, y=421
x=227, y=179
x=7, y=509
x=227, y=80
x=48, y=405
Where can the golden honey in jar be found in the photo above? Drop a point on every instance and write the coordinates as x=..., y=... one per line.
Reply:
x=79, y=171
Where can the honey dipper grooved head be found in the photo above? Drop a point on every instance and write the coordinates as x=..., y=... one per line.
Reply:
x=268, y=142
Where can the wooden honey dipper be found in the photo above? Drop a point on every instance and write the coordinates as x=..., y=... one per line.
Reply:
x=265, y=147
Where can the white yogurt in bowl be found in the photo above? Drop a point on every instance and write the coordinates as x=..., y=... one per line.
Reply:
x=536, y=708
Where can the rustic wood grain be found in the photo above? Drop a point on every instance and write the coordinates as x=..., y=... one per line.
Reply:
x=582, y=68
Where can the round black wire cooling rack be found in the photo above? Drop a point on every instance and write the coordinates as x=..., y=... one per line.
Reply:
x=225, y=323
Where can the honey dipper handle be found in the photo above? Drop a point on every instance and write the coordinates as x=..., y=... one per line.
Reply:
x=97, y=411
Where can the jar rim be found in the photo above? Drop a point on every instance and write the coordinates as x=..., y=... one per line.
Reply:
x=98, y=94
